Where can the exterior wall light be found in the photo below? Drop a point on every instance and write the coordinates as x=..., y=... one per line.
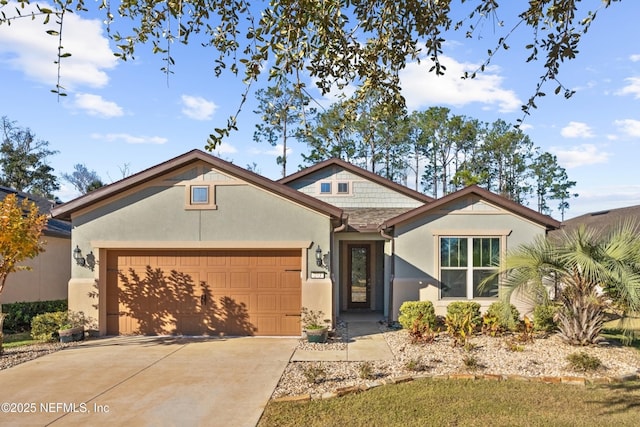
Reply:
x=77, y=255
x=89, y=261
x=318, y=256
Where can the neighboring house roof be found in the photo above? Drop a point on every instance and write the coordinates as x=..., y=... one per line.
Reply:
x=358, y=171
x=602, y=219
x=64, y=211
x=54, y=227
x=500, y=201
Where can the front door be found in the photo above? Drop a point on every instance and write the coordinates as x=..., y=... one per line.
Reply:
x=359, y=276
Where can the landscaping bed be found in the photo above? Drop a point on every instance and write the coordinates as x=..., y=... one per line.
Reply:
x=485, y=356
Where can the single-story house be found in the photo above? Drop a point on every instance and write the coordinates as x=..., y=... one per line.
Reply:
x=50, y=270
x=197, y=245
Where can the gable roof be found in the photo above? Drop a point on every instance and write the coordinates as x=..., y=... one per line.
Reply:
x=54, y=227
x=502, y=202
x=64, y=211
x=358, y=171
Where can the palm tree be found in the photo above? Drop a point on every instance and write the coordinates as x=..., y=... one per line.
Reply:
x=593, y=271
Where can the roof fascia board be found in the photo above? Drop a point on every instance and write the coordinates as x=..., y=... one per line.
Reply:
x=499, y=201
x=358, y=171
x=104, y=193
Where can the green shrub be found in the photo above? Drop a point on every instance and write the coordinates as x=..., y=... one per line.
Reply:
x=583, y=362
x=45, y=326
x=416, y=365
x=365, y=371
x=421, y=332
x=314, y=374
x=461, y=308
x=506, y=319
x=19, y=314
x=543, y=317
x=410, y=311
x=459, y=327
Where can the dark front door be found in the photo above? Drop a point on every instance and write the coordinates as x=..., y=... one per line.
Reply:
x=359, y=277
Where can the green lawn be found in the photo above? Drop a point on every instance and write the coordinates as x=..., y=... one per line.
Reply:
x=467, y=403
x=471, y=403
x=17, y=340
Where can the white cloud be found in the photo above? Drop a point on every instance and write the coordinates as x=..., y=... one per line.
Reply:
x=525, y=127
x=197, y=108
x=577, y=130
x=276, y=150
x=129, y=139
x=95, y=105
x=28, y=48
x=635, y=57
x=581, y=155
x=422, y=88
x=633, y=88
x=225, y=148
x=629, y=127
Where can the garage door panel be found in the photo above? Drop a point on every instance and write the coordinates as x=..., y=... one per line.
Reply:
x=267, y=280
x=239, y=279
x=290, y=280
x=203, y=292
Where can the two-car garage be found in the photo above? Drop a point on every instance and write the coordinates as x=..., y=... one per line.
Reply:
x=204, y=292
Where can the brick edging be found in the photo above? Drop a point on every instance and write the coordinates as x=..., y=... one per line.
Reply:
x=343, y=391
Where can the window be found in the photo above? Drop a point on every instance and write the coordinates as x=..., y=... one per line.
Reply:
x=343, y=187
x=325, y=187
x=199, y=195
x=464, y=263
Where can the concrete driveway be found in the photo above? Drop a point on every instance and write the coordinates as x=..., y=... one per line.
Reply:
x=147, y=381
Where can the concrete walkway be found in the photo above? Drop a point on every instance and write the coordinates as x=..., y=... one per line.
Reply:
x=364, y=343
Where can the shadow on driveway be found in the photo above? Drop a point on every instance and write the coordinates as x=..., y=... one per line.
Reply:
x=147, y=381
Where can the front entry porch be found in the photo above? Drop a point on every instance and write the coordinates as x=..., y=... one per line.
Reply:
x=362, y=277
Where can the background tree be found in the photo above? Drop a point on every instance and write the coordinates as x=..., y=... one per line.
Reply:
x=282, y=109
x=83, y=179
x=330, y=135
x=332, y=42
x=21, y=226
x=23, y=159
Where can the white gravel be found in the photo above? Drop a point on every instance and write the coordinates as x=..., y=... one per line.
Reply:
x=14, y=356
x=545, y=357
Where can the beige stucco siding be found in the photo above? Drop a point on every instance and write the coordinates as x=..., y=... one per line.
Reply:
x=155, y=217
x=48, y=278
x=416, y=270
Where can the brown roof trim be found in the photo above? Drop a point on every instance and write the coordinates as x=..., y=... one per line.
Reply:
x=358, y=171
x=501, y=201
x=64, y=211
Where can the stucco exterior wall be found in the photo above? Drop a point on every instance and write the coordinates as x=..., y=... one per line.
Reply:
x=48, y=278
x=154, y=217
x=416, y=270
x=363, y=193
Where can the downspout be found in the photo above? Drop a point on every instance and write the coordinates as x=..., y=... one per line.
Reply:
x=335, y=298
x=391, y=271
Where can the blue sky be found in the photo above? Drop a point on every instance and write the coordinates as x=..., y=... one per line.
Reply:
x=130, y=115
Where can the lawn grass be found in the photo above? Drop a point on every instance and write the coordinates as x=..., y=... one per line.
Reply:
x=18, y=340
x=433, y=402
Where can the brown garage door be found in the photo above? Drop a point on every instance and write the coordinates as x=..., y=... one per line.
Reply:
x=204, y=292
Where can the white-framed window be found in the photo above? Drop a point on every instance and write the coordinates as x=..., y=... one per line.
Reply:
x=465, y=262
x=325, y=188
x=343, y=188
x=199, y=194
